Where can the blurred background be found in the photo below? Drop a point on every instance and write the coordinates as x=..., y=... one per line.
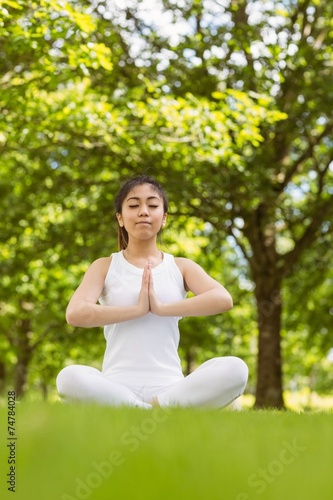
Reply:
x=229, y=105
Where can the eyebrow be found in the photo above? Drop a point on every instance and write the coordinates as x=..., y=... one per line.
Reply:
x=149, y=198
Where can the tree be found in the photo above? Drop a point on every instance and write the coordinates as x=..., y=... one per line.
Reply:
x=45, y=110
x=69, y=136
x=232, y=116
x=277, y=192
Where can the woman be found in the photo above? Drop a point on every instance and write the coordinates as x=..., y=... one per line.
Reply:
x=142, y=295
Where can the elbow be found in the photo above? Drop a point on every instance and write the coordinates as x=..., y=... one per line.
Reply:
x=81, y=315
x=73, y=317
x=222, y=302
x=227, y=302
x=231, y=303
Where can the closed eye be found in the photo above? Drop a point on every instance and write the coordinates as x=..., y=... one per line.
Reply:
x=150, y=206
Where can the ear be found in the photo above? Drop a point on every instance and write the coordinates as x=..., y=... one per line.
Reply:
x=120, y=219
x=164, y=219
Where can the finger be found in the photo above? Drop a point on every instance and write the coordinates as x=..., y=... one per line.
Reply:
x=145, y=276
x=148, y=270
x=150, y=284
x=150, y=278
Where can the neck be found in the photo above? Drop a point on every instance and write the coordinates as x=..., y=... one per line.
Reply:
x=142, y=249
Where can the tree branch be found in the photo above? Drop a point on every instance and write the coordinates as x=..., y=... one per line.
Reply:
x=320, y=213
x=308, y=153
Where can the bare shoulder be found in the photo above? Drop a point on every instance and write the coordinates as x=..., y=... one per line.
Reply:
x=185, y=264
x=92, y=283
x=102, y=262
x=196, y=279
x=190, y=271
x=100, y=266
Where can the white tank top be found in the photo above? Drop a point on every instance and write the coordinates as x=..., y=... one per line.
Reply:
x=144, y=350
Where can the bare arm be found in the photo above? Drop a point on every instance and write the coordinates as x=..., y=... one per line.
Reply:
x=210, y=297
x=83, y=309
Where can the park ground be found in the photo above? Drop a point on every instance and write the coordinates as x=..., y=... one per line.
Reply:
x=80, y=452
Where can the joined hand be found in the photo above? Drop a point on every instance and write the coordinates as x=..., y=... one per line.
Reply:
x=148, y=301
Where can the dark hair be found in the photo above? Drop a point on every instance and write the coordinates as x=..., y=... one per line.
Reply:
x=123, y=192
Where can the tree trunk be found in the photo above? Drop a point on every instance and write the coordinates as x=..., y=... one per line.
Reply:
x=190, y=361
x=24, y=354
x=45, y=390
x=22, y=366
x=269, y=391
x=2, y=376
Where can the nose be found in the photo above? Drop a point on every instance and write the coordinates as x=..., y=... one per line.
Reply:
x=143, y=212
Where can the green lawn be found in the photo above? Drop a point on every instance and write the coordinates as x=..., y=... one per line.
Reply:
x=78, y=452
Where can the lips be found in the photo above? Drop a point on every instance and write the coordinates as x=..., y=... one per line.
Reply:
x=144, y=223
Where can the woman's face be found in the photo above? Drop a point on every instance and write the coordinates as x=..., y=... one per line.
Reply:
x=142, y=212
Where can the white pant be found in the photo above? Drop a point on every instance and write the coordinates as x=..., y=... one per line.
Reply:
x=214, y=384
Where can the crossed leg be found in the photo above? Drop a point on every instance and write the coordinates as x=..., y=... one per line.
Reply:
x=214, y=384
x=85, y=383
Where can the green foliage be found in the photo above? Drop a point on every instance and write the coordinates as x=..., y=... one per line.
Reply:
x=232, y=116
x=309, y=322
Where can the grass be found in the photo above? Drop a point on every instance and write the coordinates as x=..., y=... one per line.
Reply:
x=78, y=452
